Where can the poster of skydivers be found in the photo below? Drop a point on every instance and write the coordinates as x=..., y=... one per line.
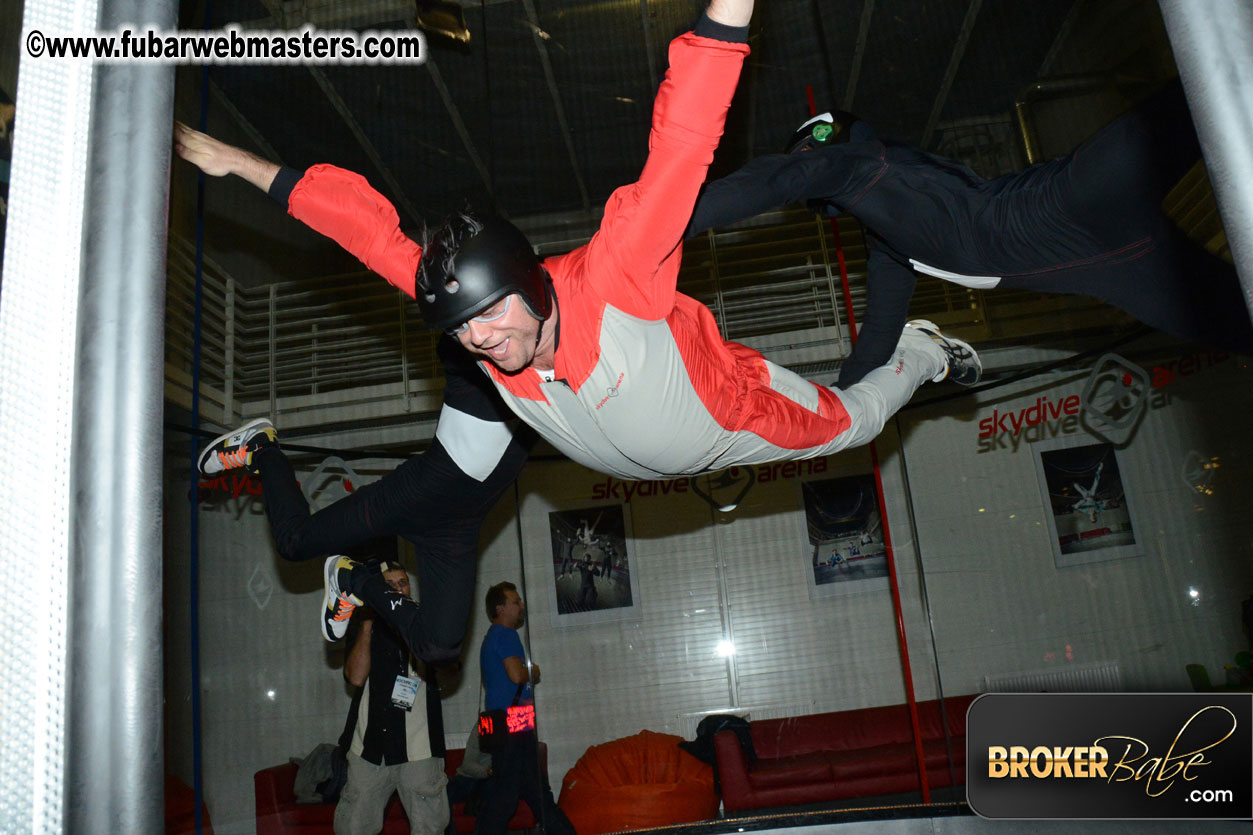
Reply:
x=592, y=578
x=846, y=551
x=1090, y=517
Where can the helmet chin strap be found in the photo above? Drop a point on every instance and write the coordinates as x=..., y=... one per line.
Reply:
x=548, y=287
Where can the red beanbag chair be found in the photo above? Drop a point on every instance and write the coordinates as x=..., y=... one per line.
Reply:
x=641, y=781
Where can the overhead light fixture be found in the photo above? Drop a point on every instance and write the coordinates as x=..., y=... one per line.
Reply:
x=443, y=17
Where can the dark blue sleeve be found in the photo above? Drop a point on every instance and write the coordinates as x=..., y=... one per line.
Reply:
x=774, y=180
x=707, y=28
x=286, y=179
x=746, y=192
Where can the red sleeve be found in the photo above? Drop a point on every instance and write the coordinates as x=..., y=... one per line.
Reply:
x=633, y=260
x=342, y=206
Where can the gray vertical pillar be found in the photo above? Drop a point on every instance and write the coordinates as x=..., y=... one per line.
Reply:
x=1213, y=44
x=114, y=766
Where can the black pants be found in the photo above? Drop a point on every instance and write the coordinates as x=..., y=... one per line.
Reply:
x=516, y=775
x=587, y=592
x=1088, y=223
x=427, y=500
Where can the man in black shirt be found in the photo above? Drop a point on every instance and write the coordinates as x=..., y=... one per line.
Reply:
x=391, y=748
x=587, y=591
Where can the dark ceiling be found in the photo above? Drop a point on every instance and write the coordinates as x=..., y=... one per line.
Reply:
x=554, y=96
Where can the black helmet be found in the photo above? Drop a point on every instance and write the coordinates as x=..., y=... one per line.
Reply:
x=824, y=129
x=471, y=262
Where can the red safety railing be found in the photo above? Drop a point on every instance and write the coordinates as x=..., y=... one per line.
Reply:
x=883, y=515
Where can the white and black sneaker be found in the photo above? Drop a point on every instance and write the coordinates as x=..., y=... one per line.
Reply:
x=337, y=604
x=961, y=363
x=233, y=451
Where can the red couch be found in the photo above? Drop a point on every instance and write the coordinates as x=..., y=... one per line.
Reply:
x=278, y=812
x=850, y=753
x=180, y=809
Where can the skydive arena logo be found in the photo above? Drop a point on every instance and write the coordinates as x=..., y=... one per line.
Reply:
x=1160, y=756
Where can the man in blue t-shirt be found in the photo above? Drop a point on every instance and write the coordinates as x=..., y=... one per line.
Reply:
x=508, y=677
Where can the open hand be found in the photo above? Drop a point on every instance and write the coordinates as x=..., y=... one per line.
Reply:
x=217, y=159
x=203, y=151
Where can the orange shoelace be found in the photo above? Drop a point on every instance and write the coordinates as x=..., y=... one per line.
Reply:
x=344, y=610
x=238, y=458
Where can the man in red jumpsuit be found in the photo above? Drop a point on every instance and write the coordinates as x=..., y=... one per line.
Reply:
x=594, y=349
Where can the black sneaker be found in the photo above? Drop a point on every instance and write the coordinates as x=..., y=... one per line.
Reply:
x=961, y=363
x=824, y=129
x=337, y=604
x=233, y=451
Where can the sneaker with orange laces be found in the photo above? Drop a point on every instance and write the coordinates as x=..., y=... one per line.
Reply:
x=234, y=450
x=337, y=603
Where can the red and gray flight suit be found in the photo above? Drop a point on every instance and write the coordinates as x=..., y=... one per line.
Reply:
x=644, y=385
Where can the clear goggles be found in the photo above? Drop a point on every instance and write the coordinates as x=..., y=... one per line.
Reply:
x=493, y=312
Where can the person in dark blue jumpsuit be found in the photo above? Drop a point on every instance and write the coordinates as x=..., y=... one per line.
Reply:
x=1088, y=223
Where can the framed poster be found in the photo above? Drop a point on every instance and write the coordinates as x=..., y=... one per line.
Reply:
x=1090, y=515
x=592, y=578
x=845, y=553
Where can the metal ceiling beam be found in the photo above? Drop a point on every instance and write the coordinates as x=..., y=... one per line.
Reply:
x=1063, y=35
x=954, y=62
x=334, y=15
x=350, y=14
x=539, y=36
x=750, y=121
x=453, y=113
x=249, y=129
x=859, y=54
x=647, y=28
x=280, y=19
x=824, y=53
x=341, y=107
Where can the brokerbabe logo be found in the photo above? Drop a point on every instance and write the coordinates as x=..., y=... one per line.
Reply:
x=1045, y=755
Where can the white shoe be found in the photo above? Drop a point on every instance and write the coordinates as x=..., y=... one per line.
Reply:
x=961, y=363
x=234, y=450
x=337, y=604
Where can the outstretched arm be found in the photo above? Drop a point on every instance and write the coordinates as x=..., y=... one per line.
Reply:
x=730, y=12
x=217, y=159
x=633, y=259
x=764, y=183
x=774, y=180
x=336, y=203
